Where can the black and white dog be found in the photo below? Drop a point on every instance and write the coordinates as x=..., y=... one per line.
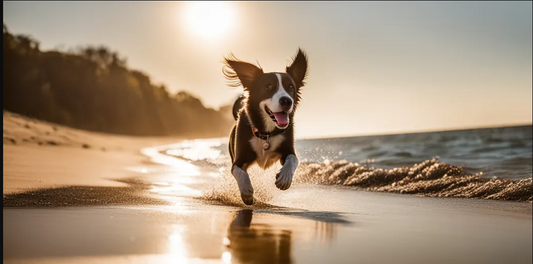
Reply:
x=264, y=132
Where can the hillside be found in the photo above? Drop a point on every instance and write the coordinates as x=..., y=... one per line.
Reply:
x=92, y=88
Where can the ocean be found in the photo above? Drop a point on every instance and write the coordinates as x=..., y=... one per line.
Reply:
x=496, y=152
x=489, y=163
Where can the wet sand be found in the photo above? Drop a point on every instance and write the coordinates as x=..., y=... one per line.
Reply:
x=364, y=228
x=86, y=206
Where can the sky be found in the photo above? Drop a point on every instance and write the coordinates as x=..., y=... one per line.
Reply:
x=374, y=67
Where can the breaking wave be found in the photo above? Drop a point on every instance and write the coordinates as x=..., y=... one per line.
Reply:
x=428, y=178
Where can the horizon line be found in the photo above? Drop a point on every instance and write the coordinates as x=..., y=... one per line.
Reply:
x=418, y=132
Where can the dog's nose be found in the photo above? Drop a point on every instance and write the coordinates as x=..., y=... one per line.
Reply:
x=285, y=102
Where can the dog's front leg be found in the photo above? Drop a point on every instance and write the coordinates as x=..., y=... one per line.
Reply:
x=285, y=175
x=245, y=185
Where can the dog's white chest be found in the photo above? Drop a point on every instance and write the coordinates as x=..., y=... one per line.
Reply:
x=265, y=158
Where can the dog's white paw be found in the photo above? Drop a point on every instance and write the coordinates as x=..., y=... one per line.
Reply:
x=285, y=175
x=284, y=178
x=245, y=185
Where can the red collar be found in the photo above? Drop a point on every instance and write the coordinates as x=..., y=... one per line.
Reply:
x=265, y=136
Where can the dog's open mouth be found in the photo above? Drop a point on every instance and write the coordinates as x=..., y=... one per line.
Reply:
x=280, y=118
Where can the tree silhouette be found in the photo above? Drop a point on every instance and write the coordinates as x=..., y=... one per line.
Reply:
x=92, y=88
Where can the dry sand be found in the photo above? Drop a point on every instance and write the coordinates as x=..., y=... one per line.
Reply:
x=65, y=203
x=40, y=155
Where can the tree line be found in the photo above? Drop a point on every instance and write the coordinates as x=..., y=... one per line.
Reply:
x=92, y=88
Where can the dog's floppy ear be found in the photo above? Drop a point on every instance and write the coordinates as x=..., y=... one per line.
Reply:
x=240, y=72
x=298, y=68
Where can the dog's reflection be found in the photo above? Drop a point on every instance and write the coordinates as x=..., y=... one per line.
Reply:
x=257, y=243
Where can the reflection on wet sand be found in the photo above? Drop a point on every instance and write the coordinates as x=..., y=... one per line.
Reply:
x=325, y=232
x=256, y=243
x=248, y=242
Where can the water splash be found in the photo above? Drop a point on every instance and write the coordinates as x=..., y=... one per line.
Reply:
x=428, y=178
x=225, y=190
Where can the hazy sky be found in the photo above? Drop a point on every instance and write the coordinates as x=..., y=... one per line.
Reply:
x=375, y=67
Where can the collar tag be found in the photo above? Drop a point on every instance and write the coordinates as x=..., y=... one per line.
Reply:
x=266, y=145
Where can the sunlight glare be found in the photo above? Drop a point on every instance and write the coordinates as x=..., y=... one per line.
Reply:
x=209, y=19
x=185, y=168
x=226, y=257
x=177, y=253
x=196, y=150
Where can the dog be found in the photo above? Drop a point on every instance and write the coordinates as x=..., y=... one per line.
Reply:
x=264, y=115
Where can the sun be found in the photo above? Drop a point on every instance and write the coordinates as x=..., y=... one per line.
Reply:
x=209, y=19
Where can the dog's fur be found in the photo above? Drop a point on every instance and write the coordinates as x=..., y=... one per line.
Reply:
x=269, y=100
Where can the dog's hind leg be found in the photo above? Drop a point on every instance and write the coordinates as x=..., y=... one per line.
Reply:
x=285, y=175
x=245, y=185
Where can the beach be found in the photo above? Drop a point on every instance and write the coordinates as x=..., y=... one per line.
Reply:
x=91, y=197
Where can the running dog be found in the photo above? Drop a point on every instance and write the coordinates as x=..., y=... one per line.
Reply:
x=264, y=132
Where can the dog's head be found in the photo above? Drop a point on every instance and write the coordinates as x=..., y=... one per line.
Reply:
x=271, y=98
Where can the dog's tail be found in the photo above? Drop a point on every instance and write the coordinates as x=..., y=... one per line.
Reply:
x=237, y=106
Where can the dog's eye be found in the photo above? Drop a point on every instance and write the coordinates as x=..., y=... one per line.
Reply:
x=269, y=87
x=291, y=87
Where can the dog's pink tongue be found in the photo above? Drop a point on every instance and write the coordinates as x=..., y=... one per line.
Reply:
x=281, y=118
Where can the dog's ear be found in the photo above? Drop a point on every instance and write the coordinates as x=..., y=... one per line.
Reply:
x=298, y=68
x=240, y=72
